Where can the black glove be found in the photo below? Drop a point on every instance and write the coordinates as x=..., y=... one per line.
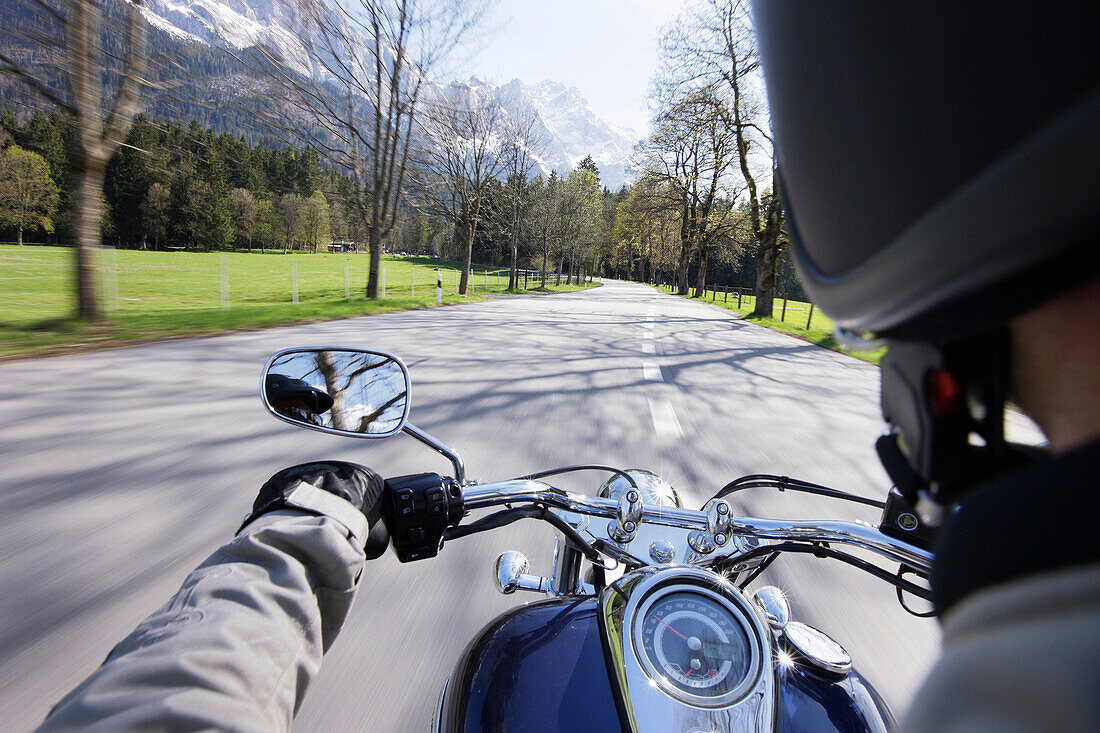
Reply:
x=358, y=485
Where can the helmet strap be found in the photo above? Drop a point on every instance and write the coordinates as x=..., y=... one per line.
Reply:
x=944, y=404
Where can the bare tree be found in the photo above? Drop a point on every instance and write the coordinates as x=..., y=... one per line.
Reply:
x=691, y=152
x=460, y=156
x=520, y=136
x=544, y=221
x=369, y=60
x=716, y=45
x=72, y=31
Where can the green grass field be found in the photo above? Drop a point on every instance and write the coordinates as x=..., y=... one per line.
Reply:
x=796, y=320
x=166, y=294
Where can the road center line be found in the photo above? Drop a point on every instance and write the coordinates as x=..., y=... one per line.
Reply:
x=665, y=424
x=652, y=371
x=648, y=348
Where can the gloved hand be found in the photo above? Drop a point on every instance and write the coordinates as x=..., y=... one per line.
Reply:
x=306, y=487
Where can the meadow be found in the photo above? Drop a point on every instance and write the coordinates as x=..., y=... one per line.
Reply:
x=148, y=294
x=794, y=317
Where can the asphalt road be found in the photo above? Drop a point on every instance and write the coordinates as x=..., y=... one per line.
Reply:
x=124, y=468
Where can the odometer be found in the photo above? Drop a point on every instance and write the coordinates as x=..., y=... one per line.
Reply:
x=694, y=647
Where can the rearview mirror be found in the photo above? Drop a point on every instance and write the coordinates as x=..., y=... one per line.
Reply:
x=353, y=392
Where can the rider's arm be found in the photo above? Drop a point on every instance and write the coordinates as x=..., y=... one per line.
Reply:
x=238, y=645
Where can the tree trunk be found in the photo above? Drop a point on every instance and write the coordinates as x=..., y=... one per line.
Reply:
x=682, y=270
x=19, y=236
x=512, y=279
x=466, y=261
x=88, y=215
x=685, y=253
x=701, y=279
x=374, y=248
x=767, y=261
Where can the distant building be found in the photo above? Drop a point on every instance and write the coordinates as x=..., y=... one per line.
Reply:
x=342, y=246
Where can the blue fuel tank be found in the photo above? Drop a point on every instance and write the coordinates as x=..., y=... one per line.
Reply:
x=542, y=668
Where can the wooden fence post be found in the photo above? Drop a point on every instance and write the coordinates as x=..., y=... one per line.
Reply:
x=811, y=317
x=738, y=297
x=783, y=316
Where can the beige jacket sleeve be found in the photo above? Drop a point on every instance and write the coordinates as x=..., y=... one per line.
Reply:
x=1023, y=656
x=238, y=645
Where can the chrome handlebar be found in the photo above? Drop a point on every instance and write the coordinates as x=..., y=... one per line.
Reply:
x=855, y=534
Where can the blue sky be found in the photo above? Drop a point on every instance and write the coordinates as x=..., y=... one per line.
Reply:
x=605, y=48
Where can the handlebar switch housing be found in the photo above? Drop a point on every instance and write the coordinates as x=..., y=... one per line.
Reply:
x=901, y=520
x=417, y=509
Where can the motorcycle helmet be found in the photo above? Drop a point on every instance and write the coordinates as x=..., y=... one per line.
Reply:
x=938, y=160
x=296, y=398
x=937, y=165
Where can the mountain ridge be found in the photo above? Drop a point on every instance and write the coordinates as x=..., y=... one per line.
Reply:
x=567, y=129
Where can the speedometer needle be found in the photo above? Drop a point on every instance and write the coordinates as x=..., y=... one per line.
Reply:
x=667, y=626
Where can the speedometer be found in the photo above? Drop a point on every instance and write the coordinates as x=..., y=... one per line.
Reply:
x=695, y=647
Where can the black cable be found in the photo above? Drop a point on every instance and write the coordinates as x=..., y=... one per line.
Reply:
x=901, y=597
x=619, y=554
x=571, y=469
x=533, y=511
x=492, y=521
x=819, y=550
x=770, y=481
x=759, y=569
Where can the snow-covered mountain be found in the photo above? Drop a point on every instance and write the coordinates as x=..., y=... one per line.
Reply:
x=565, y=127
x=568, y=129
x=233, y=24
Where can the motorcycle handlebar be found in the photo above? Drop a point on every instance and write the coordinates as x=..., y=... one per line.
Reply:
x=854, y=534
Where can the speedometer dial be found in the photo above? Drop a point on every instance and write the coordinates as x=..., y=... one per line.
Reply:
x=694, y=647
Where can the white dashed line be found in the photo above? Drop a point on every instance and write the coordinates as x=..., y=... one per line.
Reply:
x=652, y=371
x=665, y=424
x=648, y=348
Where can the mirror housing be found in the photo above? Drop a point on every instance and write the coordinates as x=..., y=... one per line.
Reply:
x=356, y=393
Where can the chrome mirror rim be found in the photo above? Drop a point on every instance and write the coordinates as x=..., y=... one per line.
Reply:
x=336, y=431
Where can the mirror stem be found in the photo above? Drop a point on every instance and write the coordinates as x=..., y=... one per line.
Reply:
x=455, y=459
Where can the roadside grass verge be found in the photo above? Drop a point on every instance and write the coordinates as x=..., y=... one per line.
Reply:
x=156, y=295
x=794, y=322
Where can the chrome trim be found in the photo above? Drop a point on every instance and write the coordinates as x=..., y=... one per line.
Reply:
x=437, y=724
x=447, y=452
x=751, y=529
x=773, y=606
x=627, y=516
x=719, y=516
x=649, y=706
x=334, y=431
x=566, y=580
x=662, y=551
x=655, y=491
x=508, y=569
x=701, y=542
x=857, y=340
x=817, y=648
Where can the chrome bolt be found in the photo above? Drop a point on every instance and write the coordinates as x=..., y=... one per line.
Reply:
x=662, y=551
